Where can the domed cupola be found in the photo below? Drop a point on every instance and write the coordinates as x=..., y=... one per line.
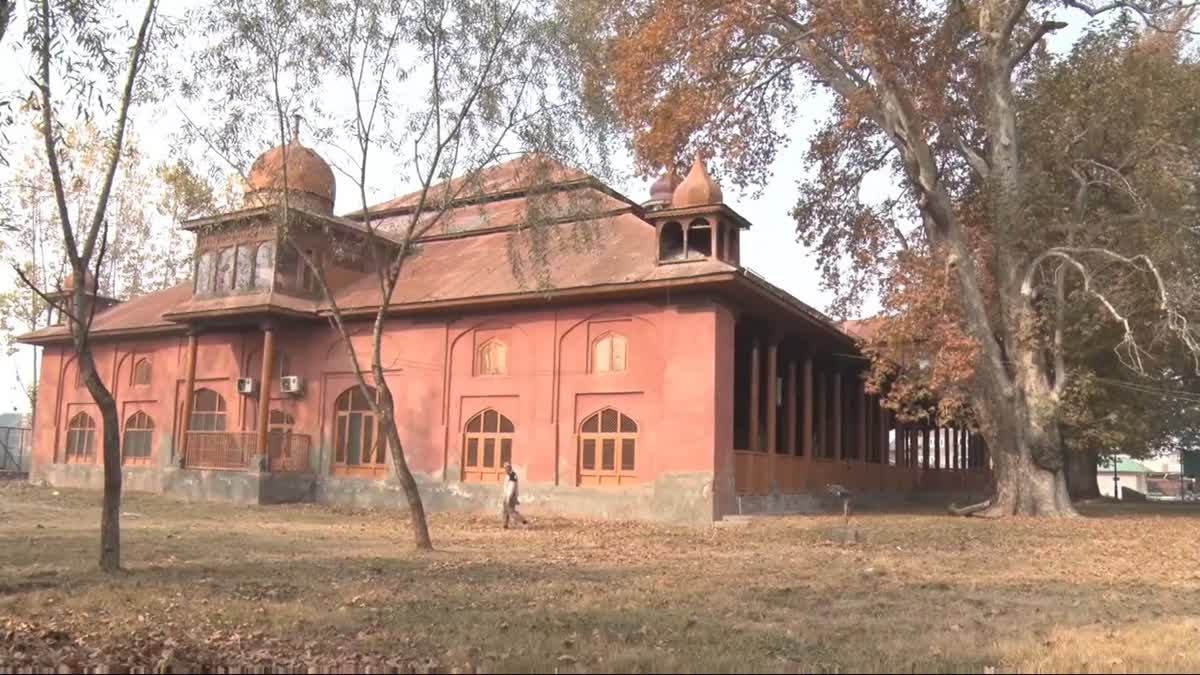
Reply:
x=693, y=222
x=309, y=181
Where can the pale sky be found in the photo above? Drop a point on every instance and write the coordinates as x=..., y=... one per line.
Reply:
x=769, y=247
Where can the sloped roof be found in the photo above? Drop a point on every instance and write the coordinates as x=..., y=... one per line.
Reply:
x=578, y=202
x=610, y=250
x=525, y=172
x=509, y=243
x=863, y=329
x=144, y=312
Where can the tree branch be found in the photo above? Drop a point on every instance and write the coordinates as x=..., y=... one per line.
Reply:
x=1032, y=41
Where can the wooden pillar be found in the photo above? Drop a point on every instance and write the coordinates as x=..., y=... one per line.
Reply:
x=963, y=448
x=836, y=399
x=264, y=394
x=881, y=435
x=937, y=447
x=823, y=415
x=924, y=447
x=755, y=385
x=772, y=404
x=790, y=410
x=958, y=451
x=189, y=396
x=806, y=420
x=860, y=416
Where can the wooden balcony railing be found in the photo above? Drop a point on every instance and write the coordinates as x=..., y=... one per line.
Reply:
x=288, y=452
x=219, y=450
x=234, y=450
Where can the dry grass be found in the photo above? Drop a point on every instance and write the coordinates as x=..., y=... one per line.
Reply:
x=1117, y=591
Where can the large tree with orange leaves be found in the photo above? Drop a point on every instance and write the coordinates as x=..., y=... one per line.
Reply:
x=1002, y=230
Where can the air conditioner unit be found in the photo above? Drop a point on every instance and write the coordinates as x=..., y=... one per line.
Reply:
x=247, y=385
x=291, y=384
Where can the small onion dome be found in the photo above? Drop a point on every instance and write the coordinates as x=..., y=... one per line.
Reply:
x=663, y=189
x=308, y=177
x=698, y=189
x=89, y=281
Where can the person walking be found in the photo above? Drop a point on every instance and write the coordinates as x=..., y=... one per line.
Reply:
x=511, y=500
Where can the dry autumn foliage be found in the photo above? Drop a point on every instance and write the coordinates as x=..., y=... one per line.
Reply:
x=1045, y=204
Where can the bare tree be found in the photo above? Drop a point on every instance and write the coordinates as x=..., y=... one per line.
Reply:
x=70, y=41
x=475, y=77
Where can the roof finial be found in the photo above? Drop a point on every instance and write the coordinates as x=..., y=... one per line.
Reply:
x=296, y=127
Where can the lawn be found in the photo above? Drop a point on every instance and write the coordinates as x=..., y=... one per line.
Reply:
x=303, y=586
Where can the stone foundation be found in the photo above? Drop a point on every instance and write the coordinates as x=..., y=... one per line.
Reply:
x=681, y=499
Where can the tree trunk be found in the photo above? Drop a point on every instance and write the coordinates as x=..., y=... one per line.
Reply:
x=412, y=493
x=1082, y=475
x=110, y=514
x=1020, y=444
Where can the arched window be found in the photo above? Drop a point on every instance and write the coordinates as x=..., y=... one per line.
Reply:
x=245, y=267
x=204, y=273
x=608, y=449
x=225, y=269
x=670, y=242
x=141, y=372
x=138, y=440
x=359, y=446
x=81, y=440
x=487, y=445
x=208, y=411
x=493, y=358
x=264, y=265
x=609, y=353
x=699, y=239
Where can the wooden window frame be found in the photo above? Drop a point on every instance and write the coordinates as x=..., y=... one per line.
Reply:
x=341, y=432
x=598, y=476
x=139, y=417
x=134, y=380
x=81, y=440
x=479, y=472
x=219, y=413
x=611, y=337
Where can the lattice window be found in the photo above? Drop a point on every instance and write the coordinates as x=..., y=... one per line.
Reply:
x=205, y=273
x=493, y=358
x=487, y=445
x=609, y=353
x=608, y=449
x=225, y=265
x=81, y=440
x=208, y=411
x=359, y=443
x=138, y=442
x=264, y=265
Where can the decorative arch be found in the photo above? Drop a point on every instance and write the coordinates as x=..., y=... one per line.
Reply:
x=670, y=241
x=359, y=444
x=142, y=372
x=208, y=411
x=699, y=239
x=81, y=440
x=610, y=353
x=138, y=442
x=491, y=358
x=487, y=446
x=608, y=441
